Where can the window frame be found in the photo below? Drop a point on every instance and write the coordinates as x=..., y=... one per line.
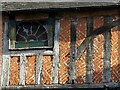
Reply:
x=12, y=34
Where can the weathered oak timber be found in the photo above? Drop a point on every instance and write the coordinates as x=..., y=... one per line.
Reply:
x=50, y=30
x=38, y=77
x=96, y=32
x=107, y=52
x=22, y=69
x=72, y=66
x=6, y=58
x=103, y=86
x=106, y=28
x=89, y=52
x=31, y=52
x=56, y=53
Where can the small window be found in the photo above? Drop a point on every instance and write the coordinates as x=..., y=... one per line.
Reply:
x=29, y=34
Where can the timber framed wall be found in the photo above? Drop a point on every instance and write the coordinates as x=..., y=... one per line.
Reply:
x=70, y=61
x=97, y=64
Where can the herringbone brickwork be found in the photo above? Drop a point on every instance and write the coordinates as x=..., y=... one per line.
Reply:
x=81, y=64
x=98, y=52
x=30, y=69
x=14, y=70
x=47, y=70
x=115, y=58
x=64, y=50
x=98, y=43
x=98, y=59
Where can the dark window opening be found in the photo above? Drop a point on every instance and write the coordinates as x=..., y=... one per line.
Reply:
x=31, y=34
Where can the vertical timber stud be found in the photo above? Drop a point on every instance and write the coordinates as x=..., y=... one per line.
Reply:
x=50, y=23
x=72, y=65
x=12, y=31
x=22, y=69
x=89, y=52
x=56, y=52
x=107, y=52
x=6, y=58
x=38, y=69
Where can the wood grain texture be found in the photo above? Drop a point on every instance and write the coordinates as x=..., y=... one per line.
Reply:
x=56, y=60
x=107, y=52
x=72, y=66
x=38, y=76
x=6, y=58
x=89, y=52
x=22, y=69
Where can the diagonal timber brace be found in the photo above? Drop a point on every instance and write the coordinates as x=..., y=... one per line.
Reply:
x=95, y=32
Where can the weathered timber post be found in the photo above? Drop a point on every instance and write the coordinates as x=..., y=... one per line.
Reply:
x=6, y=58
x=38, y=77
x=56, y=52
x=89, y=52
x=107, y=52
x=72, y=65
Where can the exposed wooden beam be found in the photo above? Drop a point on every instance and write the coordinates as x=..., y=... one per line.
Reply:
x=22, y=69
x=50, y=27
x=83, y=46
x=6, y=58
x=106, y=27
x=32, y=52
x=38, y=77
x=72, y=68
x=101, y=86
x=89, y=52
x=56, y=53
x=101, y=30
x=107, y=52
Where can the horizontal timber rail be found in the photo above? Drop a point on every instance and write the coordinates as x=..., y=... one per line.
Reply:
x=56, y=86
x=29, y=52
